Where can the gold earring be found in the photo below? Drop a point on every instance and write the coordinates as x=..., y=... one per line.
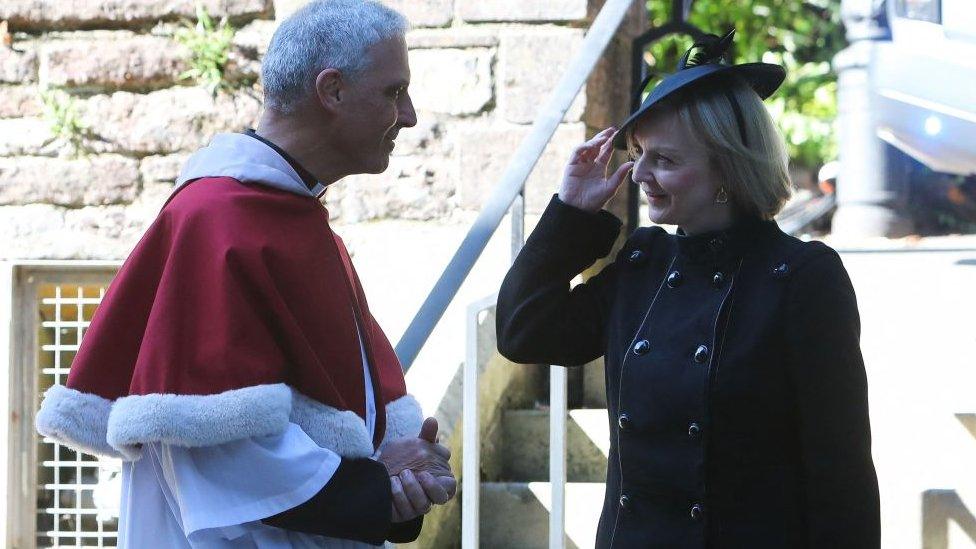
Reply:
x=722, y=197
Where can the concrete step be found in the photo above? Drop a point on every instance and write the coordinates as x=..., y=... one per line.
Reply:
x=515, y=515
x=525, y=445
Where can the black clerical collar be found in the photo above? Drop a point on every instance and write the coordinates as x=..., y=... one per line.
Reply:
x=307, y=178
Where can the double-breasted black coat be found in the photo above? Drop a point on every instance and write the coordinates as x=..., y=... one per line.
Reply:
x=736, y=390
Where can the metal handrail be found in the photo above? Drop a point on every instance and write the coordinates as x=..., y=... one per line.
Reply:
x=513, y=181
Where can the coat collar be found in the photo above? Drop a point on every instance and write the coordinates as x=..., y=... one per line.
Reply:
x=718, y=247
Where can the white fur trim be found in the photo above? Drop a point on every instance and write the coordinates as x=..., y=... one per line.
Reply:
x=403, y=418
x=197, y=420
x=96, y=425
x=341, y=431
x=76, y=419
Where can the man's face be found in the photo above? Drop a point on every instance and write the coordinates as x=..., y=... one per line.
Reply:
x=376, y=105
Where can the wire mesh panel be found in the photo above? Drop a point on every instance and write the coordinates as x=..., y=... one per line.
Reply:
x=77, y=494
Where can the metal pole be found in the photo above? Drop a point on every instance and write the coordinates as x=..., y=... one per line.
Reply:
x=557, y=456
x=523, y=161
x=868, y=190
x=518, y=224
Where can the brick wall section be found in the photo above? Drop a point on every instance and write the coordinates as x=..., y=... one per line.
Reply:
x=480, y=70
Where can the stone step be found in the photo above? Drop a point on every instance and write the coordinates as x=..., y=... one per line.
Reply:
x=525, y=445
x=515, y=515
x=594, y=385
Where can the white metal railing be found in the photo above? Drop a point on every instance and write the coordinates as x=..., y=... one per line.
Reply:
x=512, y=183
x=557, y=456
x=471, y=438
x=595, y=42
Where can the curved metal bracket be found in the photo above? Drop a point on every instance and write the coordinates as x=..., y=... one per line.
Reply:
x=638, y=71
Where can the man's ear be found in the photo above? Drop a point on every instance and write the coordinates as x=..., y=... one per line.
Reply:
x=329, y=88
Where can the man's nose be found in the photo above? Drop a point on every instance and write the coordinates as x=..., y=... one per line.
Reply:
x=407, y=116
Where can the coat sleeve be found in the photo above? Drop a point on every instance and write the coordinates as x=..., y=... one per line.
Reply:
x=355, y=504
x=539, y=318
x=828, y=376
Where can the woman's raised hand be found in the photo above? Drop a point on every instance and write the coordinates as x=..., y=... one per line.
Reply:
x=585, y=185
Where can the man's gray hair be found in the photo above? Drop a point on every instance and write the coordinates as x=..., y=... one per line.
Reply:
x=323, y=34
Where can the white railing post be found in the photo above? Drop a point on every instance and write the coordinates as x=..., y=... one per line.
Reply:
x=557, y=456
x=471, y=427
x=471, y=442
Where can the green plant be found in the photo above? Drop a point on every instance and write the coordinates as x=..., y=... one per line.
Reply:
x=209, y=48
x=801, y=35
x=64, y=119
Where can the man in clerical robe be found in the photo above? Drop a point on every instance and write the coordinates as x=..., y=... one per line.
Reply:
x=234, y=365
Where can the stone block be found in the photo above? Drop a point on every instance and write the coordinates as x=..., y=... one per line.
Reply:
x=452, y=81
x=522, y=10
x=456, y=37
x=254, y=38
x=285, y=8
x=484, y=154
x=146, y=207
x=96, y=180
x=608, y=89
x=27, y=230
x=18, y=66
x=413, y=187
x=531, y=63
x=20, y=101
x=42, y=15
x=166, y=121
x=249, y=46
x=424, y=13
x=25, y=136
x=113, y=61
x=161, y=168
x=114, y=223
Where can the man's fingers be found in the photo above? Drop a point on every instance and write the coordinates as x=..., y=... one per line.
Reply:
x=400, y=502
x=449, y=484
x=429, y=430
x=435, y=492
x=441, y=451
x=414, y=492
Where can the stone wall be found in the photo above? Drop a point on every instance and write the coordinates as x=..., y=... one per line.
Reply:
x=480, y=70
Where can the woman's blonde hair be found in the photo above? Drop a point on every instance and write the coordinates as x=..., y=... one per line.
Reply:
x=756, y=171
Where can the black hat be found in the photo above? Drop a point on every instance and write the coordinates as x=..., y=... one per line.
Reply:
x=708, y=61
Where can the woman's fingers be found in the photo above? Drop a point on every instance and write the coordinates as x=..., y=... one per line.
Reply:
x=595, y=145
x=606, y=150
x=618, y=176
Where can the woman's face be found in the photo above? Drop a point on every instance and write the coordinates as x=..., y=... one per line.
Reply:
x=673, y=170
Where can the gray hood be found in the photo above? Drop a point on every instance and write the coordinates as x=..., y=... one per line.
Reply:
x=247, y=160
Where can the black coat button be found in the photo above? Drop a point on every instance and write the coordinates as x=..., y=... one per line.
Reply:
x=636, y=257
x=781, y=270
x=625, y=502
x=716, y=244
x=642, y=347
x=674, y=279
x=701, y=354
x=697, y=512
x=623, y=422
x=718, y=279
x=694, y=430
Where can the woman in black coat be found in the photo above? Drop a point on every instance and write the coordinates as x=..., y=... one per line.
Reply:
x=735, y=385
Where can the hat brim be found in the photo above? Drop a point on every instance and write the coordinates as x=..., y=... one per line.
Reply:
x=764, y=78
